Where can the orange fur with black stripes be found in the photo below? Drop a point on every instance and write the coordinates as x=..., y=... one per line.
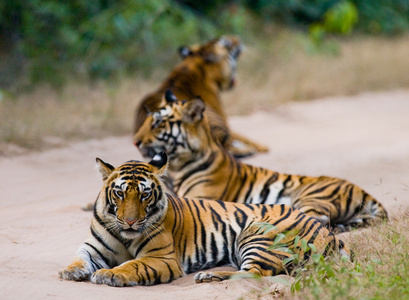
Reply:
x=200, y=168
x=206, y=70
x=142, y=236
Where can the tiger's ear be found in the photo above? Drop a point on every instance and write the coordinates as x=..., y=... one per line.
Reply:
x=169, y=96
x=184, y=52
x=160, y=162
x=104, y=168
x=194, y=110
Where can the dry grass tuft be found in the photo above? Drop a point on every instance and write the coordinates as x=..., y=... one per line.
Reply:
x=46, y=118
x=282, y=71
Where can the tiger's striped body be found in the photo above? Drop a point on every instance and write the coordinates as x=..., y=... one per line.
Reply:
x=141, y=236
x=200, y=168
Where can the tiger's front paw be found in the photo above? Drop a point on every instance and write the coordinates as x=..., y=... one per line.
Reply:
x=76, y=271
x=111, y=277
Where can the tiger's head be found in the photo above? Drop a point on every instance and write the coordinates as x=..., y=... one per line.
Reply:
x=217, y=58
x=132, y=200
x=179, y=128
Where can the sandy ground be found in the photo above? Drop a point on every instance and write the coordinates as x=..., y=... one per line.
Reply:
x=364, y=139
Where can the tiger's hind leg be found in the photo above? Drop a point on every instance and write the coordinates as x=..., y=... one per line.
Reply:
x=253, y=268
x=254, y=259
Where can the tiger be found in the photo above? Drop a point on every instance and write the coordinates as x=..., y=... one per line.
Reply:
x=207, y=69
x=143, y=236
x=200, y=168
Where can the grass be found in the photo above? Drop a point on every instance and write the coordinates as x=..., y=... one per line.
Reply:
x=46, y=118
x=380, y=269
x=284, y=71
x=272, y=70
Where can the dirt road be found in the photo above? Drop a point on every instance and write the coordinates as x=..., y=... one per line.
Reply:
x=364, y=139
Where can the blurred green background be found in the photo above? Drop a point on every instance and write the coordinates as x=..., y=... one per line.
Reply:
x=50, y=41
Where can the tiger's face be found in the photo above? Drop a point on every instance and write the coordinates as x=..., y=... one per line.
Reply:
x=133, y=199
x=178, y=128
x=218, y=56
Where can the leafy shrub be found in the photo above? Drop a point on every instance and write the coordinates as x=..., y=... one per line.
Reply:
x=375, y=16
x=104, y=39
x=340, y=19
x=383, y=16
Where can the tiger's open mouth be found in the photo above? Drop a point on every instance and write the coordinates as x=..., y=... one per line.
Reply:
x=150, y=152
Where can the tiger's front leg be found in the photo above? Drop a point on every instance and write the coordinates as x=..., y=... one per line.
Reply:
x=142, y=271
x=78, y=270
x=87, y=261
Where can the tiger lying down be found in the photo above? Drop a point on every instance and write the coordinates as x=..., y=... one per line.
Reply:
x=200, y=168
x=142, y=236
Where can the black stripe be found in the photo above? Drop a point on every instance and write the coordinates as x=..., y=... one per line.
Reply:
x=266, y=189
x=349, y=200
x=204, y=166
x=159, y=248
x=195, y=231
x=199, y=182
x=171, y=274
x=106, y=260
x=102, y=223
x=146, y=241
x=213, y=247
x=284, y=217
x=101, y=241
x=202, y=233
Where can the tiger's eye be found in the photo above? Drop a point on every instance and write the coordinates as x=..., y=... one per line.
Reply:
x=120, y=194
x=145, y=195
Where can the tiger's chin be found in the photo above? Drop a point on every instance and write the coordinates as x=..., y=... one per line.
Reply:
x=130, y=233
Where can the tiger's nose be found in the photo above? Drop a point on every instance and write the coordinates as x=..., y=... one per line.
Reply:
x=130, y=222
x=137, y=143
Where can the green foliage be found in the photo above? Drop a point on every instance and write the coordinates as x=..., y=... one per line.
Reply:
x=105, y=39
x=383, y=277
x=381, y=272
x=292, y=244
x=375, y=16
x=331, y=279
x=340, y=19
x=383, y=16
x=293, y=13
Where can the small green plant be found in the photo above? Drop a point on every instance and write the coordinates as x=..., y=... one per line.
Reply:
x=340, y=20
x=379, y=271
x=293, y=245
